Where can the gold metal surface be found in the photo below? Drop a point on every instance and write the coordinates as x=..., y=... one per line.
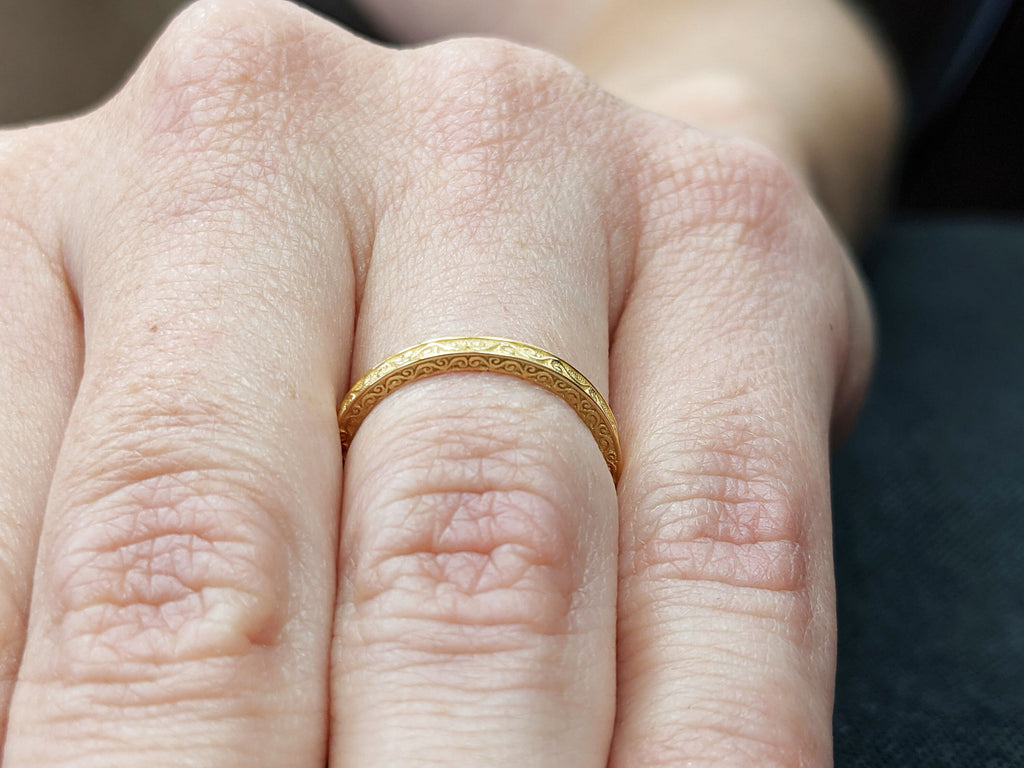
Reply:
x=493, y=355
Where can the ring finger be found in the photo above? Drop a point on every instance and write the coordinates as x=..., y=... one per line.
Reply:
x=476, y=606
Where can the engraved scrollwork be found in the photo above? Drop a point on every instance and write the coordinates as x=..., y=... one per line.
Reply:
x=479, y=353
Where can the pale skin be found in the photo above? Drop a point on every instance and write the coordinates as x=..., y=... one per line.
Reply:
x=193, y=273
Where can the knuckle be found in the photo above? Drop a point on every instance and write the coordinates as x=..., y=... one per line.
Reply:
x=494, y=122
x=485, y=97
x=239, y=100
x=168, y=567
x=743, y=213
x=229, y=75
x=754, y=241
x=695, y=180
x=472, y=539
x=748, y=185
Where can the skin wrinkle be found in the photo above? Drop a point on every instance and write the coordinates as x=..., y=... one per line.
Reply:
x=765, y=382
x=716, y=745
x=27, y=278
x=23, y=349
x=47, y=363
x=150, y=731
x=731, y=655
x=131, y=459
x=686, y=552
x=482, y=700
x=30, y=258
x=725, y=508
x=255, y=164
x=726, y=445
x=737, y=510
x=231, y=271
x=153, y=701
x=166, y=573
x=748, y=715
x=483, y=511
x=441, y=483
x=479, y=152
x=460, y=647
x=732, y=507
x=511, y=542
x=176, y=339
x=444, y=432
x=196, y=692
x=454, y=583
x=162, y=482
x=472, y=549
x=723, y=697
x=476, y=210
x=788, y=614
x=167, y=535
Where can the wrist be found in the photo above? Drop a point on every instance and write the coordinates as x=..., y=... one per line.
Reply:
x=806, y=78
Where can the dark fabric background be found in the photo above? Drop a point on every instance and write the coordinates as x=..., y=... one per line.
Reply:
x=963, y=63
x=929, y=508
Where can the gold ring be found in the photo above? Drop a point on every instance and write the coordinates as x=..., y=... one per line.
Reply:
x=483, y=353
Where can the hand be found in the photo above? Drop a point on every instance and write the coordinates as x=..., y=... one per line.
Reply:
x=193, y=274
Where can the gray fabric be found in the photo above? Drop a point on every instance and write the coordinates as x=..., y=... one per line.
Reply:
x=929, y=508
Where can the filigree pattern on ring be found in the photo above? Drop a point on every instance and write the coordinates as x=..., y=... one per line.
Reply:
x=479, y=353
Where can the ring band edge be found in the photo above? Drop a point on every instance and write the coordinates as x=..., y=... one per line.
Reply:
x=436, y=356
